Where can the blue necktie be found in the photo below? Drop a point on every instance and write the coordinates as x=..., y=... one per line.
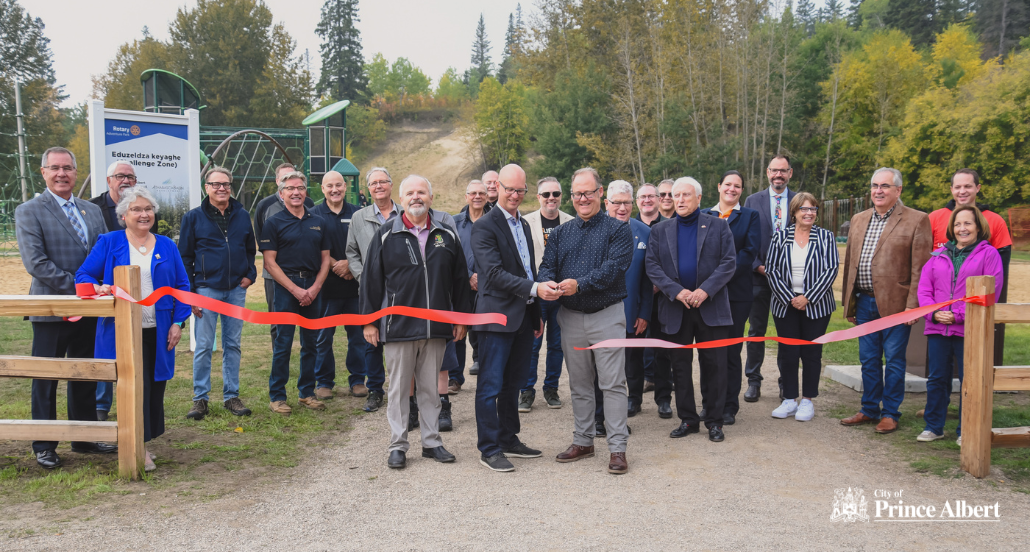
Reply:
x=69, y=211
x=523, y=253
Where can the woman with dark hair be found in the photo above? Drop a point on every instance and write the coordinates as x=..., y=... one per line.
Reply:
x=160, y=266
x=802, y=264
x=968, y=252
x=747, y=235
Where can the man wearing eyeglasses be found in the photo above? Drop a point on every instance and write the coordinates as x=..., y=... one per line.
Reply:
x=475, y=208
x=542, y=223
x=55, y=232
x=648, y=212
x=772, y=206
x=587, y=260
x=887, y=248
x=217, y=246
x=363, y=226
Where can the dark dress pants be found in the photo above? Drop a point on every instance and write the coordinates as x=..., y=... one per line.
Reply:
x=503, y=367
x=740, y=311
x=59, y=340
x=153, y=391
x=759, y=320
x=660, y=366
x=713, y=370
x=798, y=325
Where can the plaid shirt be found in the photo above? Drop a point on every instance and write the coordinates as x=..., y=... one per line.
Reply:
x=872, y=237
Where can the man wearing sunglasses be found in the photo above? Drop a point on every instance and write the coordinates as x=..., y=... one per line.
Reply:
x=666, y=206
x=542, y=222
x=649, y=212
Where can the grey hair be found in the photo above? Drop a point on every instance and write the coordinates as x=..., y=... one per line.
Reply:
x=131, y=195
x=291, y=176
x=895, y=172
x=472, y=182
x=668, y=181
x=217, y=169
x=414, y=177
x=545, y=180
x=688, y=180
x=57, y=149
x=620, y=187
x=111, y=168
x=588, y=170
x=641, y=189
x=368, y=175
x=488, y=172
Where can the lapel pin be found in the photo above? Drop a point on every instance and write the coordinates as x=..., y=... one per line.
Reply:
x=158, y=255
x=703, y=226
x=83, y=212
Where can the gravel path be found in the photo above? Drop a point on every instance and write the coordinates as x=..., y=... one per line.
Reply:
x=770, y=485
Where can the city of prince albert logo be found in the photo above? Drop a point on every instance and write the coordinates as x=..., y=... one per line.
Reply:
x=438, y=240
x=849, y=506
x=134, y=130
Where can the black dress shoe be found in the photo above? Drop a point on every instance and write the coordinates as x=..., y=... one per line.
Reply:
x=683, y=430
x=95, y=448
x=396, y=460
x=48, y=459
x=599, y=430
x=664, y=410
x=703, y=414
x=101, y=415
x=715, y=434
x=634, y=409
x=439, y=454
x=754, y=391
x=729, y=419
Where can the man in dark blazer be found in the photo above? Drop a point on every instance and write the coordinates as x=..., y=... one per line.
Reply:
x=691, y=258
x=772, y=205
x=55, y=234
x=503, y=249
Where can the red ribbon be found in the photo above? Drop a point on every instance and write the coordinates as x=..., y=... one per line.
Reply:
x=832, y=337
x=86, y=291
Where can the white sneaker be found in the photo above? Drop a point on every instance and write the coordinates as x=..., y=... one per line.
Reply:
x=786, y=409
x=959, y=441
x=927, y=436
x=806, y=411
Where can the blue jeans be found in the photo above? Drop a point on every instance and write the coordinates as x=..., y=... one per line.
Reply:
x=504, y=365
x=460, y=348
x=325, y=363
x=940, y=350
x=284, y=301
x=375, y=371
x=204, y=331
x=879, y=383
x=555, y=357
x=105, y=395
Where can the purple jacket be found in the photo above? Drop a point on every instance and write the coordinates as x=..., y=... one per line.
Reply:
x=938, y=284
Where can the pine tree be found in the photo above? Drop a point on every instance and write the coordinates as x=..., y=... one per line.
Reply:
x=916, y=18
x=854, y=15
x=1001, y=23
x=342, y=62
x=805, y=14
x=481, y=64
x=506, y=69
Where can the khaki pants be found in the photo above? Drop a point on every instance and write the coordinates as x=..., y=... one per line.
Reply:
x=420, y=360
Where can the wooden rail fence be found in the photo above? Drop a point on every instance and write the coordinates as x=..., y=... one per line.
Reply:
x=126, y=369
x=981, y=379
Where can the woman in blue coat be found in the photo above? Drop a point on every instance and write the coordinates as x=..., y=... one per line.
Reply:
x=160, y=266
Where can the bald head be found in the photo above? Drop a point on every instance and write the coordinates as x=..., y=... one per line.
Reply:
x=334, y=188
x=511, y=187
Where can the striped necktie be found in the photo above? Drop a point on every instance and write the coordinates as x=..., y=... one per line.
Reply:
x=69, y=211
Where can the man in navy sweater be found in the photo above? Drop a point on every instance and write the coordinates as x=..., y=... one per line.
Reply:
x=218, y=247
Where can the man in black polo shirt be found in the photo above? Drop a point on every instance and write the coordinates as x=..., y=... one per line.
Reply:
x=299, y=274
x=340, y=294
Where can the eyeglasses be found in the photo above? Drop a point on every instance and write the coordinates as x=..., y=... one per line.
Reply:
x=812, y=210
x=513, y=191
x=377, y=183
x=124, y=177
x=621, y=203
x=59, y=168
x=140, y=210
x=291, y=189
x=779, y=171
x=647, y=196
x=883, y=187
x=664, y=194
x=216, y=185
x=476, y=194
x=585, y=195
x=548, y=195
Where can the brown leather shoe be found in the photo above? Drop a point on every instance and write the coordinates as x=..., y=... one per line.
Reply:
x=921, y=412
x=280, y=407
x=887, y=425
x=312, y=403
x=575, y=452
x=857, y=419
x=324, y=394
x=617, y=464
x=359, y=390
x=453, y=387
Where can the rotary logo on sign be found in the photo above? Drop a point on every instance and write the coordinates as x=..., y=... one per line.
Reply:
x=134, y=130
x=849, y=506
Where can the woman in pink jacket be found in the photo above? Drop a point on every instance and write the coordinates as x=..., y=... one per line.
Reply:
x=967, y=253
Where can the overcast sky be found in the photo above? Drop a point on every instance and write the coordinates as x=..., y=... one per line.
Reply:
x=433, y=34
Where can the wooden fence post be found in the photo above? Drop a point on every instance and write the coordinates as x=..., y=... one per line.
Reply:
x=978, y=380
x=129, y=360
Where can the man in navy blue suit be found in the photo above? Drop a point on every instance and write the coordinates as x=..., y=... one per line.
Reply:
x=772, y=206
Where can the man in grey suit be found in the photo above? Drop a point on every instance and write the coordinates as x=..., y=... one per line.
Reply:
x=772, y=205
x=691, y=258
x=55, y=233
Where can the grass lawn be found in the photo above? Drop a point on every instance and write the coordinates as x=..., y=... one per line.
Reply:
x=200, y=459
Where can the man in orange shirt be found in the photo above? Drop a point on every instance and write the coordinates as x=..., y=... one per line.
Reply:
x=965, y=186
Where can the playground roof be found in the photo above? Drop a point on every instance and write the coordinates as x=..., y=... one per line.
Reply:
x=346, y=168
x=325, y=113
x=146, y=75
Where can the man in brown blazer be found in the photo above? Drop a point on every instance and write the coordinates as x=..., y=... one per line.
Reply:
x=887, y=248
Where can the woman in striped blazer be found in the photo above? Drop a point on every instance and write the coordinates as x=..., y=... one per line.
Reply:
x=802, y=265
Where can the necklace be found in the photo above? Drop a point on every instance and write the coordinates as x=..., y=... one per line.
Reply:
x=142, y=248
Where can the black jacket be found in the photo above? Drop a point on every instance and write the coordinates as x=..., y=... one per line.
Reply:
x=213, y=259
x=395, y=274
x=110, y=217
x=504, y=286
